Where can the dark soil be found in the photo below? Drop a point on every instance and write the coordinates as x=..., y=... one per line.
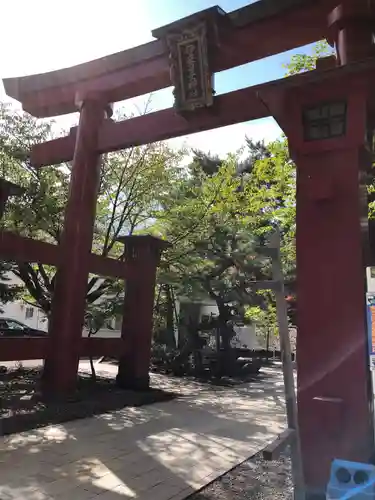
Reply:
x=23, y=408
x=224, y=381
x=206, y=379
x=254, y=479
x=209, y=379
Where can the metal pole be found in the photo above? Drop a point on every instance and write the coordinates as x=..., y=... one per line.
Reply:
x=287, y=365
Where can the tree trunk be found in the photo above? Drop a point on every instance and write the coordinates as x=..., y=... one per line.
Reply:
x=198, y=364
x=225, y=354
x=93, y=372
x=218, y=340
x=170, y=316
x=268, y=343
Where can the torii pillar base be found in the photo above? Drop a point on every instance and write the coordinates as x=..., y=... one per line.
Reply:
x=142, y=254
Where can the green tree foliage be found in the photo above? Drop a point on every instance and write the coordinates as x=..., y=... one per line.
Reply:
x=126, y=203
x=215, y=212
x=17, y=133
x=300, y=63
x=216, y=220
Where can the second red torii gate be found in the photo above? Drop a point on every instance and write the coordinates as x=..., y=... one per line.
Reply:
x=21, y=249
x=142, y=254
x=327, y=115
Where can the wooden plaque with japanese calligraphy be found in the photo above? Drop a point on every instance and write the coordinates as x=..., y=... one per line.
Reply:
x=190, y=71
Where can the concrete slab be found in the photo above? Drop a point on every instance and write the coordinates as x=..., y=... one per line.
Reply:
x=164, y=451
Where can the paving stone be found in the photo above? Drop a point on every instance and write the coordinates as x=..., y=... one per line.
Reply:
x=162, y=452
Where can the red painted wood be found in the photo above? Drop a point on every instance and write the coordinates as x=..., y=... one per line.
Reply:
x=110, y=268
x=23, y=348
x=333, y=398
x=146, y=68
x=127, y=82
x=90, y=70
x=54, y=151
x=332, y=343
x=335, y=409
x=17, y=248
x=351, y=27
x=143, y=254
x=69, y=299
x=231, y=108
x=356, y=85
x=19, y=349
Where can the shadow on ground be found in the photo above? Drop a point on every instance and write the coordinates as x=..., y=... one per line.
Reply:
x=23, y=408
x=254, y=479
x=163, y=451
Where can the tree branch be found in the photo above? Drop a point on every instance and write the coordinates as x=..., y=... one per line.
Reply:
x=28, y=276
x=46, y=280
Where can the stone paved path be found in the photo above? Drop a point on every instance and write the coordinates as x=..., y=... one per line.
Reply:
x=165, y=451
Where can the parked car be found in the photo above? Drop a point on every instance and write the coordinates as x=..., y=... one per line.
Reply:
x=13, y=328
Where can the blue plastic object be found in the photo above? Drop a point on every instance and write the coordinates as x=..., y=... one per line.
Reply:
x=351, y=481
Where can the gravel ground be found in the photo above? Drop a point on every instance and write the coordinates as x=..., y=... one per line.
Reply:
x=254, y=479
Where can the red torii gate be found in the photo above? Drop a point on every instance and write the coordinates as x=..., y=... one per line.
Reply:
x=327, y=116
x=142, y=257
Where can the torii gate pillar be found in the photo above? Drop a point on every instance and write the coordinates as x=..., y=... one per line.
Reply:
x=143, y=254
x=326, y=125
x=332, y=356
x=69, y=298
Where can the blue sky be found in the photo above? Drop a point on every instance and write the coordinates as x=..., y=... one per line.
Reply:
x=42, y=35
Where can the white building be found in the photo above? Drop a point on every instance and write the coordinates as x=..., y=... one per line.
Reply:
x=203, y=310
x=23, y=312
x=26, y=314
x=35, y=318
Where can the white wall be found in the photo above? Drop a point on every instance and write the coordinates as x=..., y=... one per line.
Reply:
x=17, y=310
x=105, y=333
x=245, y=337
x=29, y=315
x=208, y=310
x=207, y=307
x=25, y=313
x=35, y=318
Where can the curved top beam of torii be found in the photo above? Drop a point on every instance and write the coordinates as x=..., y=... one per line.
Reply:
x=256, y=31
